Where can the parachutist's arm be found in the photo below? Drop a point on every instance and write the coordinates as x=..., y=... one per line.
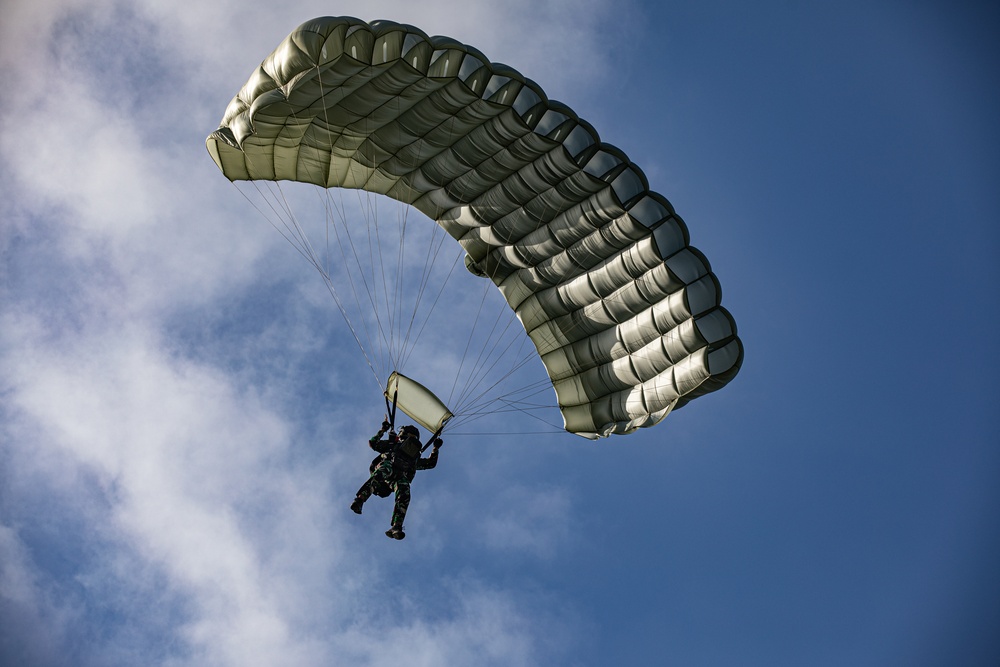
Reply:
x=378, y=444
x=430, y=461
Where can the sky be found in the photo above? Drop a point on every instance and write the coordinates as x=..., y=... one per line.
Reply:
x=184, y=415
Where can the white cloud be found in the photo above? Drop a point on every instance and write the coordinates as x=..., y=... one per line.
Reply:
x=196, y=485
x=178, y=454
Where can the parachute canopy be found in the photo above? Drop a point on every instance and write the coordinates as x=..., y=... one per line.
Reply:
x=624, y=313
x=417, y=402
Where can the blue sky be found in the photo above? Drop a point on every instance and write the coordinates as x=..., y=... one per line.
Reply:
x=184, y=413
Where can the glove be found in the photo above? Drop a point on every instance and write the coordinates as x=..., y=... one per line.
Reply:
x=386, y=425
x=438, y=442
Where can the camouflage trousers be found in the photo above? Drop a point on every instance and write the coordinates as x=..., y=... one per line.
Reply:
x=383, y=479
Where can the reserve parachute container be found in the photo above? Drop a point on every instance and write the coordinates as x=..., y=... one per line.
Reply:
x=624, y=313
x=417, y=402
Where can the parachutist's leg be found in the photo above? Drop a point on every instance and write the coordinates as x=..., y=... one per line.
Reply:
x=402, y=502
x=399, y=510
x=363, y=494
x=381, y=475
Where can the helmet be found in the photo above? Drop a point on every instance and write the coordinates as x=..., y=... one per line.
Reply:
x=410, y=429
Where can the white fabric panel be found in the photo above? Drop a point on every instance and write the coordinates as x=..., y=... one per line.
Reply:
x=417, y=402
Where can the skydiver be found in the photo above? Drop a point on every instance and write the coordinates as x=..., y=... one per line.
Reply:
x=394, y=469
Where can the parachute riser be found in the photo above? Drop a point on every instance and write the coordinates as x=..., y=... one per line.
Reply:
x=391, y=410
x=434, y=437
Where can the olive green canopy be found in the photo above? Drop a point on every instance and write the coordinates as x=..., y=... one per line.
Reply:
x=624, y=313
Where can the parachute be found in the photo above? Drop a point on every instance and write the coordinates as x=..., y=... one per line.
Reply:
x=623, y=312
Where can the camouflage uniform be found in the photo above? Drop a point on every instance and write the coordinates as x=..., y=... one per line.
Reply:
x=400, y=460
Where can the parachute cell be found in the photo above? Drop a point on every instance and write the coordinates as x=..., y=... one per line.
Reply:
x=625, y=315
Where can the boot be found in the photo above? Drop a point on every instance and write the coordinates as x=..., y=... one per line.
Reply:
x=396, y=533
x=356, y=505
